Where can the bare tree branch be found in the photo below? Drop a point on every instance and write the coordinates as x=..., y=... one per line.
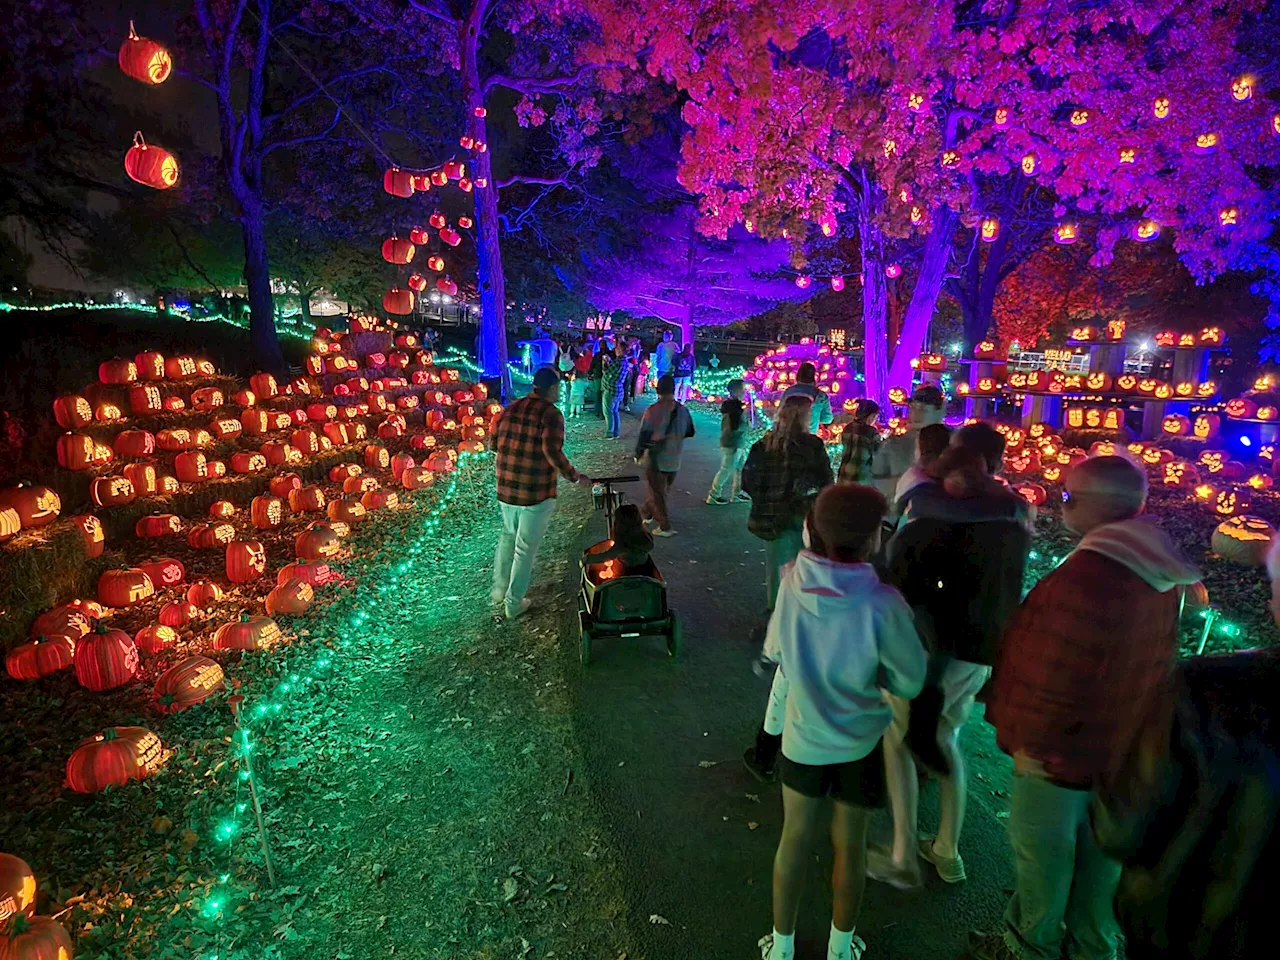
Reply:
x=530, y=85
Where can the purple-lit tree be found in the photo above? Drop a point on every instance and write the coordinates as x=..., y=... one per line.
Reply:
x=687, y=279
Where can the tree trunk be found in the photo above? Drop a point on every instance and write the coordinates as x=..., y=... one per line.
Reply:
x=493, y=290
x=875, y=306
x=257, y=277
x=986, y=293
x=686, y=326
x=924, y=298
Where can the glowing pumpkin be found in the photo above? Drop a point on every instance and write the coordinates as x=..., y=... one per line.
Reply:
x=150, y=165
x=113, y=758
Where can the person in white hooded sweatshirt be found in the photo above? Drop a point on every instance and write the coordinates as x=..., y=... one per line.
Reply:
x=839, y=636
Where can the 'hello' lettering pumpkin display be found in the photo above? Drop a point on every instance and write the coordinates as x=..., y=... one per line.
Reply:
x=105, y=659
x=113, y=758
x=188, y=683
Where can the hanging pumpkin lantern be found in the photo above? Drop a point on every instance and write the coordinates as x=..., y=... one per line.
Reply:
x=1030, y=165
x=291, y=597
x=246, y=560
x=164, y=571
x=445, y=285
x=1160, y=107
x=989, y=228
x=105, y=659
x=803, y=281
x=397, y=182
x=35, y=505
x=1065, y=233
x=113, y=758
x=465, y=222
x=1128, y=154
x=143, y=59
x=436, y=263
x=892, y=271
x=188, y=683
x=41, y=657
x=450, y=236
x=398, y=302
x=837, y=284
x=1207, y=142
x=396, y=250
x=150, y=166
x=417, y=283
x=1242, y=89
x=248, y=633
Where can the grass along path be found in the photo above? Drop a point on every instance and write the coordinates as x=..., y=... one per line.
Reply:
x=427, y=800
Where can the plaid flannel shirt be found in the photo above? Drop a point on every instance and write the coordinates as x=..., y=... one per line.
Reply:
x=1084, y=657
x=529, y=443
x=860, y=443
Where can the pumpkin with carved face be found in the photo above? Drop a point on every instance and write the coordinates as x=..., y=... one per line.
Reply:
x=1241, y=408
x=1176, y=425
x=1207, y=389
x=1206, y=426
x=1230, y=502
x=1104, y=448
x=1179, y=473
x=1214, y=461
x=1260, y=481
x=1052, y=473
x=1243, y=540
x=1127, y=382
x=1154, y=456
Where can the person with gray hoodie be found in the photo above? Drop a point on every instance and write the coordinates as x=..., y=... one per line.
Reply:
x=839, y=637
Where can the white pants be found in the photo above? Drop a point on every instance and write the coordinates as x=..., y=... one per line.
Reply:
x=522, y=531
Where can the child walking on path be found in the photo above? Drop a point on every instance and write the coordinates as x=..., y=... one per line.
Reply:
x=664, y=426
x=837, y=634
x=727, y=485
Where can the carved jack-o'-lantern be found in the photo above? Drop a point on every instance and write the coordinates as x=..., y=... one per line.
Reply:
x=1243, y=539
x=1206, y=426
x=1176, y=425
x=1230, y=502
x=1241, y=408
x=1179, y=473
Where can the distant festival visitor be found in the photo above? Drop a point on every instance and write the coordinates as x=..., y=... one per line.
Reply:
x=528, y=441
x=806, y=386
x=664, y=427
x=685, y=364
x=726, y=487
x=897, y=453
x=859, y=442
x=664, y=355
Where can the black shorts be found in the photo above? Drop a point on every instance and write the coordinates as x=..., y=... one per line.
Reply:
x=859, y=783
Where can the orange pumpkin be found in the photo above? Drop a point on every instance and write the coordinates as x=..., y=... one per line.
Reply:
x=319, y=543
x=124, y=588
x=92, y=534
x=188, y=683
x=164, y=571
x=143, y=481
x=113, y=758
x=35, y=505
x=415, y=478
x=72, y=412
x=17, y=888
x=150, y=166
x=247, y=633
x=178, y=613
x=203, y=593
x=308, y=571
x=117, y=371
x=157, y=525
x=112, y=491
x=291, y=597
x=10, y=523
x=105, y=659
x=205, y=536
x=35, y=938
x=347, y=510
x=306, y=499
x=378, y=499
x=246, y=560
x=39, y=658
x=284, y=484
x=145, y=61
x=154, y=638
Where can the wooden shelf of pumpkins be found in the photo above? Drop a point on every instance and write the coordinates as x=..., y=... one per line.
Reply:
x=158, y=543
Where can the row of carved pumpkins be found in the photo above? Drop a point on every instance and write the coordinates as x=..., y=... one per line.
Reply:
x=1055, y=381
x=23, y=935
x=152, y=365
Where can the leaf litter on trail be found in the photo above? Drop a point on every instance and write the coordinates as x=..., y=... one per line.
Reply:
x=708, y=764
x=659, y=921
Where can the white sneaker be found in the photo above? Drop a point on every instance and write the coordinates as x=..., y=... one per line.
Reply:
x=768, y=953
x=497, y=596
x=856, y=949
x=525, y=604
x=659, y=532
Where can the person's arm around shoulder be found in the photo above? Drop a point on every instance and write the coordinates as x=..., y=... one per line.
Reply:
x=903, y=663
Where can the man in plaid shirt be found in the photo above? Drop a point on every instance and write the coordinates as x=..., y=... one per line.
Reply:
x=1084, y=659
x=528, y=439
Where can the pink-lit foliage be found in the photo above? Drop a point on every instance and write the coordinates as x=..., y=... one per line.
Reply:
x=860, y=110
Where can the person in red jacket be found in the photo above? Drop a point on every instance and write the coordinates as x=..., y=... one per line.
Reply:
x=1084, y=658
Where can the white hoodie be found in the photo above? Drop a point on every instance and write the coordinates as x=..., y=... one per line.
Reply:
x=840, y=635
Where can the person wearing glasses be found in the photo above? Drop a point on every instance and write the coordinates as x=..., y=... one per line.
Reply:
x=1085, y=658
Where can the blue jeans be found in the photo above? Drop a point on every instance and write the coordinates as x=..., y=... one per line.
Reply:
x=615, y=415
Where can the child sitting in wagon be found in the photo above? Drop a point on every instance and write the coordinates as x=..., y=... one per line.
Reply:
x=629, y=554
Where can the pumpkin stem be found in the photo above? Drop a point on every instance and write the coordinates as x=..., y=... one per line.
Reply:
x=110, y=734
x=100, y=627
x=244, y=618
x=19, y=924
x=133, y=34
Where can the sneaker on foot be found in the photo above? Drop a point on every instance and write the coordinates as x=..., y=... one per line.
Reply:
x=857, y=947
x=716, y=500
x=950, y=869
x=497, y=596
x=880, y=866
x=659, y=532
x=525, y=604
x=767, y=952
x=756, y=768
x=990, y=946
x=742, y=498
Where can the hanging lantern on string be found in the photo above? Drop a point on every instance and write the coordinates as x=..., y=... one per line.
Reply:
x=1030, y=165
x=417, y=283
x=465, y=223
x=144, y=59
x=439, y=178
x=398, y=183
x=420, y=182
x=481, y=146
x=398, y=302
x=150, y=165
x=397, y=250
x=1228, y=217
x=437, y=220
x=450, y=236
x=837, y=284
x=803, y=281
x=464, y=185
x=989, y=229
x=453, y=169
x=445, y=285
x=1242, y=89
x=483, y=182
x=436, y=263
x=466, y=142
x=419, y=237
x=480, y=112
x=1065, y=233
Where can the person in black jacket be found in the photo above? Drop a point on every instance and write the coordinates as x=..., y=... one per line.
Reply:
x=962, y=573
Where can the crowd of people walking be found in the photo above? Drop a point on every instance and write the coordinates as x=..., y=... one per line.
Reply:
x=893, y=590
